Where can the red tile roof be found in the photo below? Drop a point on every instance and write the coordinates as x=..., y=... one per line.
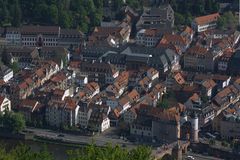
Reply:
x=172, y=39
x=23, y=85
x=209, y=83
x=197, y=50
x=1, y=99
x=207, y=19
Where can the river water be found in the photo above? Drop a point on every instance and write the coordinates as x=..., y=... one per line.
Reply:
x=59, y=151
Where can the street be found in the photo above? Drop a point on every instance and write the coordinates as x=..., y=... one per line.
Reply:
x=99, y=140
x=200, y=156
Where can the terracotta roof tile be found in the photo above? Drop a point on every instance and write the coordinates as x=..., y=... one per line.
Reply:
x=197, y=50
x=133, y=95
x=1, y=99
x=123, y=101
x=179, y=78
x=209, y=83
x=23, y=85
x=207, y=19
x=195, y=97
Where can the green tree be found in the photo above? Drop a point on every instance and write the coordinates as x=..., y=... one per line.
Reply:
x=13, y=122
x=117, y=5
x=212, y=142
x=15, y=67
x=65, y=20
x=221, y=23
x=17, y=14
x=53, y=13
x=141, y=153
x=23, y=152
x=227, y=21
x=209, y=5
x=179, y=19
x=92, y=152
x=163, y=104
x=44, y=154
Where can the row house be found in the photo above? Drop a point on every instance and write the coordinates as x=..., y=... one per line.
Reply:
x=59, y=80
x=99, y=121
x=119, y=86
x=150, y=124
x=181, y=42
x=226, y=97
x=205, y=111
x=209, y=88
x=60, y=95
x=32, y=110
x=115, y=90
x=159, y=90
x=153, y=74
x=224, y=61
x=227, y=123
x=62, y=113
x=197, y=58
x=206, y=22
x=91, y=89
x=102, y=73
x=230, y=127
x=5, y=104
x=123, y=79
x=24, y=56
x=123, y=105
x=111, y=36
x=133, y=96
x=6, y=73
x=131, y=114
x=84, y=113
x=175, y=80
x=221, y=81
x=58, y=54
x=149, y=99
x=144, y=85
x=24, y=88
x=187, y=34
x=134, y=77
x=149, y=37
x=114, y=117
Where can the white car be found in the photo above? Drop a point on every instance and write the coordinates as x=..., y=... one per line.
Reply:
x=190, y=157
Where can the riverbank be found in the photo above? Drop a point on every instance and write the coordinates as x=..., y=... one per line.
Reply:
x=59, y=151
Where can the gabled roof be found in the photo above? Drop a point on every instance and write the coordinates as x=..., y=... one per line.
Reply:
x=133, y=95
x=195, y=97
x=1, y=99
x=173, y=38
x=179, y=78
x=207, y=19
x=28, y=104
x=59, y=77
x=209, y=84
x=40, y=30
x=197, y=50
x=123, y=101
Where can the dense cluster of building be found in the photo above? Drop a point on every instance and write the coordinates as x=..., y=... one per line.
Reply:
x=162, y=84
